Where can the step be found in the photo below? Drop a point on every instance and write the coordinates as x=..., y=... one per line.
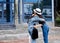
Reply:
x=14, y=38
x=7, y=26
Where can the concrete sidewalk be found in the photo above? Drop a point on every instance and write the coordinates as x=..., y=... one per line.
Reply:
x=20, y=35
x=54, y=37
x=14, y=38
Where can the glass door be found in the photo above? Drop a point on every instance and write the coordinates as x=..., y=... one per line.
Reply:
x=2, y=13
x=57, y=12
x=7, y=12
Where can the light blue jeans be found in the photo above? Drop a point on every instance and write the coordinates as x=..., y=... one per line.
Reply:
x=30, y=29
x=33, y=41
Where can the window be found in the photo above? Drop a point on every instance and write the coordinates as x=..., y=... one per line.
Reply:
x=28, y=8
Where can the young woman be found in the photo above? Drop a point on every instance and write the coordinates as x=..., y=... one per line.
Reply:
x=38, y=20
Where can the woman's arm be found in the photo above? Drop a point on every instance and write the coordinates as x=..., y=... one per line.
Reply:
x=41, y=21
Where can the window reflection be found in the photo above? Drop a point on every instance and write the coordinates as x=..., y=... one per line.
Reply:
x=29, y=5
x=3, y=10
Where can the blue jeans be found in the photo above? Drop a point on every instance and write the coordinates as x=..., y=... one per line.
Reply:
x=45, y=30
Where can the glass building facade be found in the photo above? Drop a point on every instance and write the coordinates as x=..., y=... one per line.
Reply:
x=24, y=10
x=31, y=4
x=28, y=6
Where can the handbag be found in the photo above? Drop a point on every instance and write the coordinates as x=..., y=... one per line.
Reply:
x=34, y=33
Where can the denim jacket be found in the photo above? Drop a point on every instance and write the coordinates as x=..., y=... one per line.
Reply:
x=33, y=21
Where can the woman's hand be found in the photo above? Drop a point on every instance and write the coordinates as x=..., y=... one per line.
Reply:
x=37, y=26
x=32, y=14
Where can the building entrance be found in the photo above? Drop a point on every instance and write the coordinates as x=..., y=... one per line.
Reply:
x=6, y=11
x=2, y=13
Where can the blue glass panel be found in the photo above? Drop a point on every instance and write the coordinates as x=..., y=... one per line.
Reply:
x=11, y=0
x=30, y=1
x=5, y=0
x=2, y=0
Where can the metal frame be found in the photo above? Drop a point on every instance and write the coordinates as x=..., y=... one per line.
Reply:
x=52, y=10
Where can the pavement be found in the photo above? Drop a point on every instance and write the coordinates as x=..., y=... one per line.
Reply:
x=21, y=35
